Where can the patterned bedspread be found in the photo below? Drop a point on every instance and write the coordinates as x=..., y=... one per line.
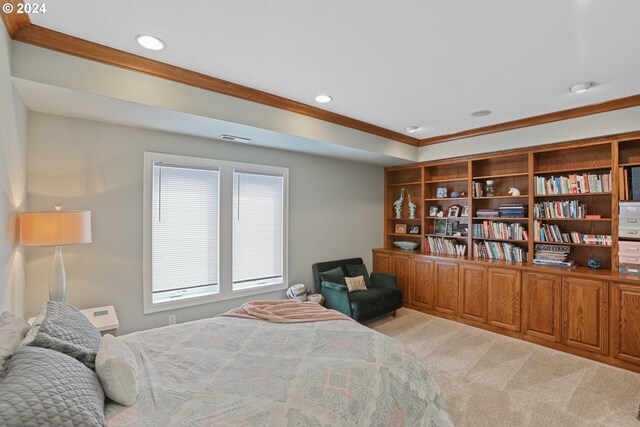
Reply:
x=239, y=372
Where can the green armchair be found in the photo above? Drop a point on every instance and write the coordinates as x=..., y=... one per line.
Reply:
x=382, y=295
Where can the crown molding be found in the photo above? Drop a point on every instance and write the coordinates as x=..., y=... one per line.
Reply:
x=587, y=110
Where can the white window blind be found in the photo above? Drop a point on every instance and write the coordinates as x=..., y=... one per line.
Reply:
x=258, y=229
x=185, y=217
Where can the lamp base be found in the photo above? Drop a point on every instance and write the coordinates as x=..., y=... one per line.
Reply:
x=57, y=279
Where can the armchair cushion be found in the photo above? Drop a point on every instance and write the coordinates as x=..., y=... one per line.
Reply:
x=383, y=280
x=374, y=302
x=355, y=270
x=335, y=275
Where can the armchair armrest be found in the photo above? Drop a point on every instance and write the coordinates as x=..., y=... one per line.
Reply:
x=383, y=280
x=337, y=297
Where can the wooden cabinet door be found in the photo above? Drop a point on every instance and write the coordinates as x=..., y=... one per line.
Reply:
x=625, y=322
x=473, y=293
x=382, y=262
x=584, y=314
x=541, y=306
x=401, y=267
x=503, y=308
x=423, y=283
x=446, y=287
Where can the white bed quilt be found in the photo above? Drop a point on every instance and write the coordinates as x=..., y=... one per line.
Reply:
x=239, y=372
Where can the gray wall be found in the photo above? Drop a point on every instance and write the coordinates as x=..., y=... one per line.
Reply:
x=13, y=181
x=335, y=210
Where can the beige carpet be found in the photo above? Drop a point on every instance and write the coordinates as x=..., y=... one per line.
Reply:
x=492, y=380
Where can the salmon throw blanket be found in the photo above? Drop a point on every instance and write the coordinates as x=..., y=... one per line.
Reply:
x=285, y=311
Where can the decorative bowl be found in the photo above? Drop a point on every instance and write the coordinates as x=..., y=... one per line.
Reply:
x=407, y=245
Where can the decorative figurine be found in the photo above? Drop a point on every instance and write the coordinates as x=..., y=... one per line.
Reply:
x=455, y=194
x=594, y=263
x=514, y=191
x=489, y=188
x=412, y=207
x=397, y=205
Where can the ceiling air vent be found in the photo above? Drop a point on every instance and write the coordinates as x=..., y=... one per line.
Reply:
x=234, y=138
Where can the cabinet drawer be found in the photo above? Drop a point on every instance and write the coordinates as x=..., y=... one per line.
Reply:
x=629, y=259
x=629, y=209
x=630, y=232
x=628, y=248
x=629, y=269
x=630, y=221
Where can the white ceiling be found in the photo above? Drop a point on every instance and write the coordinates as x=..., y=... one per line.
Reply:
x=427, y=63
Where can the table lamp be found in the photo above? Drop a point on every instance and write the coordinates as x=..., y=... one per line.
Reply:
x=56, y=228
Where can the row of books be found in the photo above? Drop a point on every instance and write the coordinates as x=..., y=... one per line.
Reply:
x=488, y=213
x=551, y=233
x=440, y=245
x=555, y=255
x=560, y=209
x=499, y=250
x=500, y=230
x=573, y=184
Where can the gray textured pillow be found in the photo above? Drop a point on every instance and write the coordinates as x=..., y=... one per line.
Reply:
x=12, y=331
x=44, y=387
x=67, y=330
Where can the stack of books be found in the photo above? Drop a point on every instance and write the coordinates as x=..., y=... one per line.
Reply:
x=488, y=213
x=497, y=250
x=573, y=184
x=551, y=233
x=554, y=255
x=513, y=210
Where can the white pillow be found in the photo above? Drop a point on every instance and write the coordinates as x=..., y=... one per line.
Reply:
x=117, y=370
x=356, y=283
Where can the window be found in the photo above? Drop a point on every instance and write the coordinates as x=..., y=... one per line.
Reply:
x=214, y=230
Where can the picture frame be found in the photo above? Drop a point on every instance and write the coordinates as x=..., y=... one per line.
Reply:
x=433, y=210
x=401, y=229
x=414, y=229
x=440, y=226
x=465, y=211
x=454, y=211
x=449, y=229
x=441, y=192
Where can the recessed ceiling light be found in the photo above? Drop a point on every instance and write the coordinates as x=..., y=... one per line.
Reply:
x=481, y=113
x=411, y=129
x=150, y=42
x=581, y=87
x=323, y=99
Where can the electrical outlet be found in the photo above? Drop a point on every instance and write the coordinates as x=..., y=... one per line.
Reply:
x=172, y=319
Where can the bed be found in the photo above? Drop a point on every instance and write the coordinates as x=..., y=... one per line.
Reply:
x=229, y=371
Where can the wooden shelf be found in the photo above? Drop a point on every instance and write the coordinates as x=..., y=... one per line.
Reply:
x=501, y=218
x=604, y=193
x=572, y=244
x=625, y=165
x=570, y=171
x=522, y=196
x=403, y=219
x=456, y=217
x=435, y=181
x=404, y=235
x=446, y=198
x=506, y=175
x=405, y=184
x=573, y=219
x=445, y=236
x=500, y=240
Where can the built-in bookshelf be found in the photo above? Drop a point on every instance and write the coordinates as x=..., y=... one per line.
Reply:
x=571, y=190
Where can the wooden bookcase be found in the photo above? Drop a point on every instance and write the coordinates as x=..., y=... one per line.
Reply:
x=588, y=312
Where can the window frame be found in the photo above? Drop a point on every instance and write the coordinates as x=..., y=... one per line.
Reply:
x=225, y=230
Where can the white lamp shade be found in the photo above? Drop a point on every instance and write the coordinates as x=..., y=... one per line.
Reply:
x=56, y=228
